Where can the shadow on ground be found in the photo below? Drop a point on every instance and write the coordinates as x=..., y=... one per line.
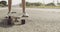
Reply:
x=3, y=24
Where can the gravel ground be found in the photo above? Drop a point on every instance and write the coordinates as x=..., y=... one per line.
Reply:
x=39, y=20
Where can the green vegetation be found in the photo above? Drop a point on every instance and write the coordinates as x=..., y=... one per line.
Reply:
x=41, y=5
x=33, y=4
x=58, y=3
x=50, y=4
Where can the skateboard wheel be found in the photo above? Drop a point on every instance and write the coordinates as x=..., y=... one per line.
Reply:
x=23, y=21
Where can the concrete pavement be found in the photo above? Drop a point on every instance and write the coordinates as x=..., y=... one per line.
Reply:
x=40, y=20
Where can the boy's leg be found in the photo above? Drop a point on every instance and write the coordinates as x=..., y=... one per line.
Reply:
x=9, y=9
x=9, y=5
x=23, y=6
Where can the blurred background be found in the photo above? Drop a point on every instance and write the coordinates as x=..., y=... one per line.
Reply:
x=33, y=3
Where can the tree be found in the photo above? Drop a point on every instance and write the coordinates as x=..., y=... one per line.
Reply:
x=58, y=4
x=33, y=4
x=27, y=4
x=50, y=4
x=4, y=3
x=37, y=4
